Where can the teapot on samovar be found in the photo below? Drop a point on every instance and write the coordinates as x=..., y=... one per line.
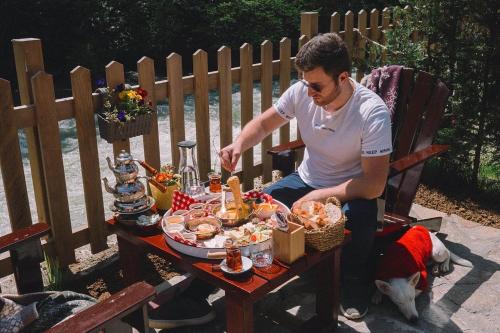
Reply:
x=129, y=192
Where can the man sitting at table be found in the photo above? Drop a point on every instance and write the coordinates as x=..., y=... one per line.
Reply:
x=346, y=129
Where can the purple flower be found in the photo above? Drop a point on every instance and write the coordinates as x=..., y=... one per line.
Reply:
x=100, y=83
x=120, y=87
x=121, y=115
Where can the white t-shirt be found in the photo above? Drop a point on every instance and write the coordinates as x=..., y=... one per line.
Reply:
x=336, y=141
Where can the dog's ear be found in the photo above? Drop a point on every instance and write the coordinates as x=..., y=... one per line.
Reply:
x=413, y=280
x=384, y=287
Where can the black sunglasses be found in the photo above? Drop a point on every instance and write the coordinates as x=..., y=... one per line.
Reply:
x=314, y=86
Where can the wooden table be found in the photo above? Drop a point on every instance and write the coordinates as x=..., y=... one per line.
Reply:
x=240, y=293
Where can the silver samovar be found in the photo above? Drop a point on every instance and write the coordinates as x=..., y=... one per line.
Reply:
x=129, y=192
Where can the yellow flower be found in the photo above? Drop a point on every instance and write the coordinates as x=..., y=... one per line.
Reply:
x=131, y=94
x=122, y=95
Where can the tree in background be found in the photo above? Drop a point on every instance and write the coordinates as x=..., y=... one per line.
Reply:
x=459, y=42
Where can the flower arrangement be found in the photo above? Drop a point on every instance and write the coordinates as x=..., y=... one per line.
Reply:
x=167, y=176
x=123, y=104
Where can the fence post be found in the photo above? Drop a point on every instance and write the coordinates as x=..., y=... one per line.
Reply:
x=348, y=32
x=374, y=30
x=114, y=77
x=146, y=72
x=200, y=71
x=225, y=99
x=175, y=104
x=362, y=16
x=309, y=24
x=266, y=81
x=246, y=88
x=50, y=144
x=386, y=17
x=29, y=60
x=81, y=86
x=285, y=69
x=11, y=162
x=335, y=22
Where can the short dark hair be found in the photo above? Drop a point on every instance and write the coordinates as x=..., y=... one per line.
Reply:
x=327, y=51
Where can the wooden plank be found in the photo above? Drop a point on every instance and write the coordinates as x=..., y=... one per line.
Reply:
x=309, y=24
x=29, y=60
x=349, y=32
x=386, y=18
x=246, y=88
x=11, y=163
x=114, y=77
x=433, y=116
x=335, y=22
x=225, y=89
x=239, y=313
x=300, y=153
x=284, y=75
x=64, y=106
x=374, y=21
x=50, y=145
x=417, y=101
x=175, y=104
x=405, y=83
x=80, y=238
x=374, y=31
x=96, y=318
x=151, y=141
x=200, y=71
x=23, y=235
x=81, y=85
x=362, y=18
x=266, y=85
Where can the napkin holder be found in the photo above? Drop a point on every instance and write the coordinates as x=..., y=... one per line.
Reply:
x=289, y=245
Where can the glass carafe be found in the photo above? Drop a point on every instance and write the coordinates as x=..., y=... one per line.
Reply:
x=188, y=168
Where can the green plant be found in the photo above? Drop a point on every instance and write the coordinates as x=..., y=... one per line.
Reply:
x=122, y=104
x=457, y=41
x=55, y=273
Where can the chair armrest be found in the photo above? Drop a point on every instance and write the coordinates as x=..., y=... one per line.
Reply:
x=23, y=235
x=398, y=219
x=415, y=158
x=117, y=306
x=292, y=145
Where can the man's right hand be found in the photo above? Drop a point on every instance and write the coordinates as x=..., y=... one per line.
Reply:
x=229, y=156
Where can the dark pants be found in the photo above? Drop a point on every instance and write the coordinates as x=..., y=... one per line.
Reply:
x=361, y=221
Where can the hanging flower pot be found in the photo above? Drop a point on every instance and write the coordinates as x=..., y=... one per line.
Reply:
x=124, y=113
x=112, y=131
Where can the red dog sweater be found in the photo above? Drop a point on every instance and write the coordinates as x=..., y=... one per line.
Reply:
x=406, y=256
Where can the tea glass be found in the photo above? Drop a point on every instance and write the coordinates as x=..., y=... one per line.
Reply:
x=262, y=254
x=233, y=258
x=215, y=185
x=196, y=191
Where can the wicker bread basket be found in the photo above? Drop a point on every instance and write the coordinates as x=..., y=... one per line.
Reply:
x=327, y=237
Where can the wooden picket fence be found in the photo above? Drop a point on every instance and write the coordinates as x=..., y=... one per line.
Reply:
x=40, y=112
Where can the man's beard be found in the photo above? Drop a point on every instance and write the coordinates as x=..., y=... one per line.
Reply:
x=326, y=100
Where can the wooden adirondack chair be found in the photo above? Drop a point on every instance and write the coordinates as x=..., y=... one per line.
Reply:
x=98, y=317
x=420, y=107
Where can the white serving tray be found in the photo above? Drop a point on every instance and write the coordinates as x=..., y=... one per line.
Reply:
x=203, y=252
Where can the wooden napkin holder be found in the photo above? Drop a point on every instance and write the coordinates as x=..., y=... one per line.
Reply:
x=290, y=245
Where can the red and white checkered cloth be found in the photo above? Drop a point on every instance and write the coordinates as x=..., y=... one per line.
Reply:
x=258, y=195
x=181, y=200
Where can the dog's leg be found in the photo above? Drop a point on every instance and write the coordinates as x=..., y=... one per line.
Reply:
x=440, y=255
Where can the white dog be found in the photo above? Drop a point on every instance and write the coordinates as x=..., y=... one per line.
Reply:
x=402, y=274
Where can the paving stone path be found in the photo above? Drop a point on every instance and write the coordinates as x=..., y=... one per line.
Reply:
x=465, y=300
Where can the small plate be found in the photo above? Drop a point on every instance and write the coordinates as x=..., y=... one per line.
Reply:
x=247, y=265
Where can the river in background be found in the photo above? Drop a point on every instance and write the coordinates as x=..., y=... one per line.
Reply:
x=71, y=156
